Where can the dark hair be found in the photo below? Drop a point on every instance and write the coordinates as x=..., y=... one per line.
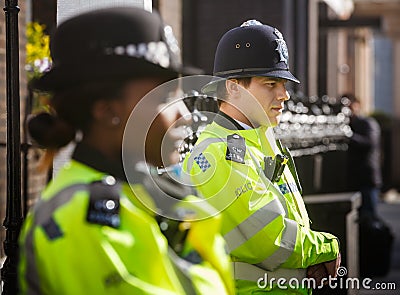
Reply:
x=71, y=111
x=221, y=88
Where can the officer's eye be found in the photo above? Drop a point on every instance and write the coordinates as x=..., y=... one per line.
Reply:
x=270, y=83
x=275, y=83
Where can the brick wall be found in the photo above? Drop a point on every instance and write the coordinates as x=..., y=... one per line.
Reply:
x=36, y=180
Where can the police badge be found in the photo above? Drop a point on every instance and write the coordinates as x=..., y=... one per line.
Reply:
x=251, y=22
x=281, y=48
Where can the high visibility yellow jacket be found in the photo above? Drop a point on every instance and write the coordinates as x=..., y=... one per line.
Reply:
x=265, y=222
x=89, y=234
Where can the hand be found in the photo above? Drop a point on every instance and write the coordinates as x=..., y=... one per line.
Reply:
x=317, y=272
x=332, y=266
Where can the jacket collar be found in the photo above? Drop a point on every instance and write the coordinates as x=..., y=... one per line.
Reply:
x=227, y=121
x=224, y=121
x=93, y=158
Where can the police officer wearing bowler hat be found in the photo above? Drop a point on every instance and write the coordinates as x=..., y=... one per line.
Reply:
x=243, y=171
x=89, y=233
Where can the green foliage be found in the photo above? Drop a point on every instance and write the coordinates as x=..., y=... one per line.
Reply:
x=37, y=61
x=37, y=50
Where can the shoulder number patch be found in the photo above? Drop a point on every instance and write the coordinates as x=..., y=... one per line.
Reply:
x=104, y=204
x=236, y=148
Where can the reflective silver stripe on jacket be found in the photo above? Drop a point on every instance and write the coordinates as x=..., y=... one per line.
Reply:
x=42, y=211
x=251, y=272
x=253, y=224
x=288, y=242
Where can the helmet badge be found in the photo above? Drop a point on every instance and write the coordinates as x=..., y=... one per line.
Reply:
x=251, y=22
x=281, y=47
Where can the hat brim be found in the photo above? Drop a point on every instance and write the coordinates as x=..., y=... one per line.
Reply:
x=211, y=87
x=65, y=76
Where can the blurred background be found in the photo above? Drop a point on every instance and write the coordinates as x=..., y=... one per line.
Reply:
x=335, y=47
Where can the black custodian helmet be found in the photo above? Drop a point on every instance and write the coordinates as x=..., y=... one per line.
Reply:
x=253, y=49
x=111, y=43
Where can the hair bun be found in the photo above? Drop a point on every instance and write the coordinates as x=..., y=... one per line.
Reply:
x=49, y=131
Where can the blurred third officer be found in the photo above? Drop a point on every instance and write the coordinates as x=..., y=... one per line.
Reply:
x=245, y=173
x=89, y=233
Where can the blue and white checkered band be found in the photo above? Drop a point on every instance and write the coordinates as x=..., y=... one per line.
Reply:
x=154, y=52
x=251, y=22
x=202, y=161
x=281, y=47
x=286, y=188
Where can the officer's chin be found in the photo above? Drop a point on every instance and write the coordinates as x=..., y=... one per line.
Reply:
x=267, y=123
x=275, y=121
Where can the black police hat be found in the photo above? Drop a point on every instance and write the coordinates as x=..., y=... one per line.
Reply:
x=110, y=43
x=253, y=49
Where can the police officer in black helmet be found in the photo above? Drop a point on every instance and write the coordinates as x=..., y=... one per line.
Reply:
x=253, y=49
x=244, y=172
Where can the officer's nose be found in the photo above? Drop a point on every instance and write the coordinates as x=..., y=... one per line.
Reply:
x=282, y=93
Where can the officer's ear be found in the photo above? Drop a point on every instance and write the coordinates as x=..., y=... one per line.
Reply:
x=232, y=87
x=104, y=112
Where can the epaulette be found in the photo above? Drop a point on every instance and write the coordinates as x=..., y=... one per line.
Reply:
x=236, y=148
x=104, y=202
